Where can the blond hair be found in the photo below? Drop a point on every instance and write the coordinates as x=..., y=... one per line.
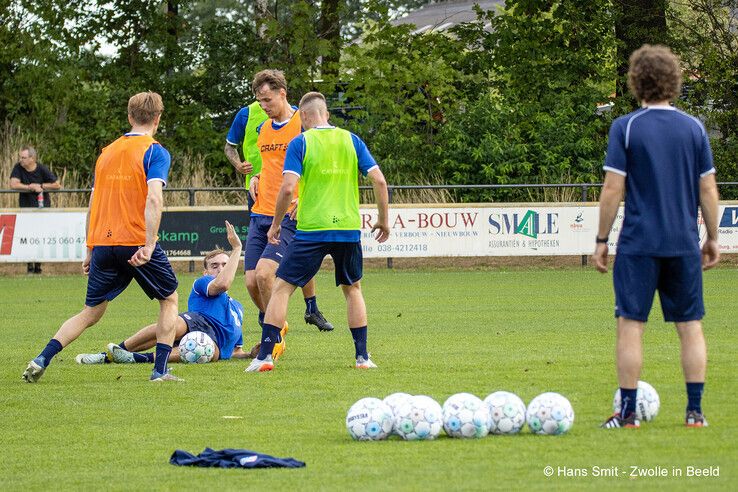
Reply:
x=144, y=107
x=212, y=254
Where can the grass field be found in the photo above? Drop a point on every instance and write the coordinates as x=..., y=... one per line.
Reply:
x=431, y=332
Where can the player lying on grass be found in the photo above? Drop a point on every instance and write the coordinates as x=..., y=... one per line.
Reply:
x=210, y=310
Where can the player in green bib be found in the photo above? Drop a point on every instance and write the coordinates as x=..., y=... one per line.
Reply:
x=326, y=162
x=243, y=132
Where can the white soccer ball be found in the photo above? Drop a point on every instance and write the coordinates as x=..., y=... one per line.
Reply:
x=466, y=416
x=647, y=402
x=395, y=400
x=549, y=413
x=506, y=411
x=418, y=418
x=196, y=347
x=369, y=419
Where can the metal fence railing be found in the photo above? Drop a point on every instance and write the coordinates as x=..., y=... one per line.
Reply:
x=192, y=192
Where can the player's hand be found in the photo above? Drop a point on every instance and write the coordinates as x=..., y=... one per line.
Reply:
x=86, y=262
x=382, y=231
x=254, y=187
x=233, y=238
x=710, y=254
x=599, y=257
x=141, y=256
x=244, y=167
x=293, y=209
x=273, y=233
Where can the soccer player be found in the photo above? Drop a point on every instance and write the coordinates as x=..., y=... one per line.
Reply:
x=122, y=231
x=210, y=310
x=326, y=162
x=661, y=158
x=261, y=259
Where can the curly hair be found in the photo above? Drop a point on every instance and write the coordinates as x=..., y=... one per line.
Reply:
x=654, y=74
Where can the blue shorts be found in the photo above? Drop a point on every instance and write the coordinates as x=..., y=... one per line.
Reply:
x=304, y=258
x=678, y=280
x=197, y=322
x=110, y=274
x=258, y=246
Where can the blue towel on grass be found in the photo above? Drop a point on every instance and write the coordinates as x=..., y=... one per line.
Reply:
x=232, y=458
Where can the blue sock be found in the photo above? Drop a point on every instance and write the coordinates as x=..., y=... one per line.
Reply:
x=123, y=345
x=261, y=319
x=311, y=305
x=162, y=355
x=143, y=358
x=48, y=353
x=694, y=396
x=628, y=399
x=269, y=336
x=359, y=335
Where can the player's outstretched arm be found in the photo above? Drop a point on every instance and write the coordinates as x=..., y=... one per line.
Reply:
x=709, y=204
x=612, y=193
x=381, y=226
x=223, y=281
x=152, y=215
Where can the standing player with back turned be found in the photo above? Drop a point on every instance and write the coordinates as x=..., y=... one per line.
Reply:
x=122, y=233
x=661, y=158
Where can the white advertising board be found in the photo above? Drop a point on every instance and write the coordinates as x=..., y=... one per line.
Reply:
x=418, y=231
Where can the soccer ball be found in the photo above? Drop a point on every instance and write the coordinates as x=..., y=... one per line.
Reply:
x=418, y=418
x=506, y=411
x=549, y=413
x=196, y=347
x=395, y=400
x=465, y=415
x=369, y=419
x=647, y=402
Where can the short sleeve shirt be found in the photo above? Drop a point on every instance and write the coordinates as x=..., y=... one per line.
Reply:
x=40, y=175
x=223, y=312
x=663, y=153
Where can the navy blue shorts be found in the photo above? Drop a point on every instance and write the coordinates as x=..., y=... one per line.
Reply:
x=110, y=274
x=198, y=322
x=304, y=258
x=678, y=280
x=258, y=246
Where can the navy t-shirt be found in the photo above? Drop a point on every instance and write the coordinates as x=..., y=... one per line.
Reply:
x=40, y=175
x=663, y=153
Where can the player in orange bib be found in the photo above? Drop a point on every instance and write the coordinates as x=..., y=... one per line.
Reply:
x=122, y=234
x=261, y=259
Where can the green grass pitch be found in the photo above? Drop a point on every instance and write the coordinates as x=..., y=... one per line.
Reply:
x=430, y=332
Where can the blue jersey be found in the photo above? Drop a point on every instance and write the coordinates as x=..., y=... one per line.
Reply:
x=223, y=312
x=293, y=164
x=238, y=127
x=663, y=153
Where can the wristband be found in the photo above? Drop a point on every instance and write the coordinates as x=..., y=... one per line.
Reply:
x=601, y=240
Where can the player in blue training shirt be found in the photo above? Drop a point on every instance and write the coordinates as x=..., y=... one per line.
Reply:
x=209, y=309
x=661, y=158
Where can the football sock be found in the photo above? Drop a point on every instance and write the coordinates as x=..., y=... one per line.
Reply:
x=261, y=319
x=162, y=355
x=48, y=353
x=359, y=335
x=269, y=336
x=628, y=399
x=311, y=305
x=123, y=345
x=694, y=396
x=143, y=358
